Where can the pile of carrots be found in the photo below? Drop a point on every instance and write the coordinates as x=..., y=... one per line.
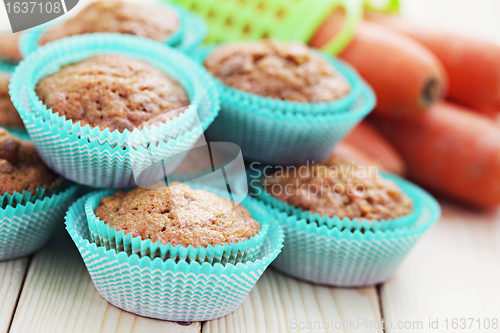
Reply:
x=438, y=106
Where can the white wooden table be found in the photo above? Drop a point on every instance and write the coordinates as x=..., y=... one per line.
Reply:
x=453, y=272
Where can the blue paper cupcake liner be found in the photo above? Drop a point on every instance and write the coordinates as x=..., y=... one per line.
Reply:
x=101, y=158
x=346, y=258
x=286, y=139
x=103, y=235
x=17, y=198
x=346, y=223
x=234, y=96
x=169, y=290
x=191, y=33
x=26, y=227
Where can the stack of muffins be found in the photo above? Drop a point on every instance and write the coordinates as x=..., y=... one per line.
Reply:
x=116, y=96
x=101, y=106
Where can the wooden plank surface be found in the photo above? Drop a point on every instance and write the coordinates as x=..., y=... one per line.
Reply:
x=453, y=272
x=59, y=296
x=282, y=304
x=12, y=275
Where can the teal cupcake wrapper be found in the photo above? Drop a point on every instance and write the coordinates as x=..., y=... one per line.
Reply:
x=190, y=34
x=13, y=199
x=232, y=95
x=286, y=139
x=25, y=228
x=103, y=235
x=165, y=289
x=102, y=158
x=336, y=257
x=17, y=198
x=356, y=224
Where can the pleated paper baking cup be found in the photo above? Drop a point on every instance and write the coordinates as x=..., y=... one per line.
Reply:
x=341, y=257
x=190, y=34
x=104, y=235
x=286, y=139
x=165, y=289
x=17, y=198
x=233, y=96
x=101, y=158
x=25, y=228
x=356, y=224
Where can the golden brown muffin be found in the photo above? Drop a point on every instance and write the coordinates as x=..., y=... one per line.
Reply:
x=8, y=113
x=112, y=91
x=9, y=47
x=153, y=22
x=21, y=169
x=338, y=188
x=288, y=71
x=178, y=215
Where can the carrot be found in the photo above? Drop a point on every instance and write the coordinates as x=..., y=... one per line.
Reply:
x=370, y=141
x=353, y=154
x=473, y=65
x=451, y=150
x=406, y=77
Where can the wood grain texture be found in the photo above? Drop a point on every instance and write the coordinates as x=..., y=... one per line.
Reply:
x=453, y=272
x=282, y=304
x=59, y=296
x=11, y=281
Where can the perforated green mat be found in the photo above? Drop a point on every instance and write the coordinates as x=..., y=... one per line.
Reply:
x=286, y=20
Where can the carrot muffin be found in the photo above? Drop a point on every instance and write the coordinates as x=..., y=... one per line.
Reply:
x=21, y=169
x=8, y=113
x=338, y=188
x=9, y=47
x=153, y=22
x=178, y=215
x=287, y=71
x=112, y=91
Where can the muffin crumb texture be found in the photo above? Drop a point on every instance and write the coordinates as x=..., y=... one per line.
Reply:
x=8, y=113
x=112, y=91
x=339, y=188
x=287, y=71
x=178, y=215
x=153, y=22
x=21, y=169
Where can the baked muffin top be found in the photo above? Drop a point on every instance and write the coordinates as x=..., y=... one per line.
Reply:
x=112, y=91
x=9, y=47
x=178, y=215
x=287, y=71
x=153, y=22
x=8, y=113
x=337, y=187
x=21, y=169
